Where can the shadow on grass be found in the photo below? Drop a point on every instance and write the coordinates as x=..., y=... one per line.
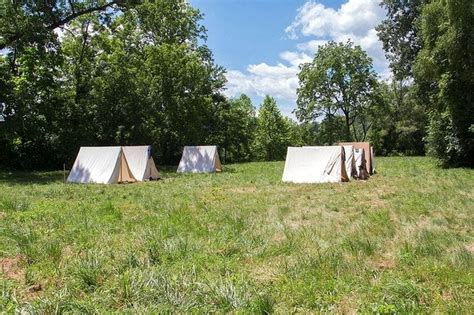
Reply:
x=33, y=177
x=15, y=177
x=171, y=170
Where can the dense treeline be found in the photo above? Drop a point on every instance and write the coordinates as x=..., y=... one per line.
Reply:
x=133, y=75
x=139, y=72
x=127, y=73
x=430, y=44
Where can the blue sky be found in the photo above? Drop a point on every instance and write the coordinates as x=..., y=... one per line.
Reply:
x=262, y=42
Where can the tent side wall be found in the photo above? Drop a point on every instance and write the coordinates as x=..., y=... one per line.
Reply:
x=96, y=165
x=152, y=170
x=199, y=159
x=361, y=164
x=344, y=176
x=314, y=165
x=350, y=161
x=217, y=163
x=372, y=159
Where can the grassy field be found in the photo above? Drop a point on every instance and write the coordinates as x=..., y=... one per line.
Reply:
x=240, y=241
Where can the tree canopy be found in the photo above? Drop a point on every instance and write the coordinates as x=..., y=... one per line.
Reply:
x=339, y=81
x=444, y=72
x=142, y=76
x=399, y=34
x=272, y=134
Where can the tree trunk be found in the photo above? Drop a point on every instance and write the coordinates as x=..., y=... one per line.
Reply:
x=331, y=130
x=348, y=128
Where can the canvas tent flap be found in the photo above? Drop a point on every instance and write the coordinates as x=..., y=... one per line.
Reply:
x=140, y=162
x=372, y=158
x=125, y=174
x=360, y=164
x=314, y=165
x=96, y=165
x=217, y=162
x=350, y=161
x=199, y=159
x=367, y=152
x=154, y=174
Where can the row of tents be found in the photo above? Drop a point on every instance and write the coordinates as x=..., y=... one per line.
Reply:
x=128, y=164
x=119, y=164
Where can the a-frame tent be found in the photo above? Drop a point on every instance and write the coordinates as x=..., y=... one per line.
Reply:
x=113, y=164
x=315, y=165
x=101, y=165
x=200, y=159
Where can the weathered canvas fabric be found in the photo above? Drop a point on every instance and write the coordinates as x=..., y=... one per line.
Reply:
x=372, y=157
x=360, y=164
x=367, y=151
x=350, y=161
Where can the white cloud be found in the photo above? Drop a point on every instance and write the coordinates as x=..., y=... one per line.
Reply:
x=295, y=58
x=312, y=45
x=354, y=17
x=314, y=25
x=279, y=81
x=354, y=20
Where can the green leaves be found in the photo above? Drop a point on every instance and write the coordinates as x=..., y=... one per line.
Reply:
x=339, y=81
x=272, y=131
x=399, y=33
x=444, y=74
x=142, y=76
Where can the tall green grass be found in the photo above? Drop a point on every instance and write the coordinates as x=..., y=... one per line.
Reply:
x=240, y=241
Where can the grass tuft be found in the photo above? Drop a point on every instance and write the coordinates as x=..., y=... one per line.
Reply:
x=14, y=205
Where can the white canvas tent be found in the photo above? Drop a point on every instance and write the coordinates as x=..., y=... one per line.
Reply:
x=200, y=159
x=315, y=165
x=111, y=165
x=141, y=162
x=102, y=165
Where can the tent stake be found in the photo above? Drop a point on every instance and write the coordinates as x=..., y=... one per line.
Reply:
x=64, y=172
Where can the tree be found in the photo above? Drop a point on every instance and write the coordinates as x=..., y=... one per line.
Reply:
x=339, y=81
x=296, y=133
x=399, y=121
x=400, y=125
x=236, y=129
x=399, y=33
x=272, y=134
x=444, y=74
x=24, y=23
